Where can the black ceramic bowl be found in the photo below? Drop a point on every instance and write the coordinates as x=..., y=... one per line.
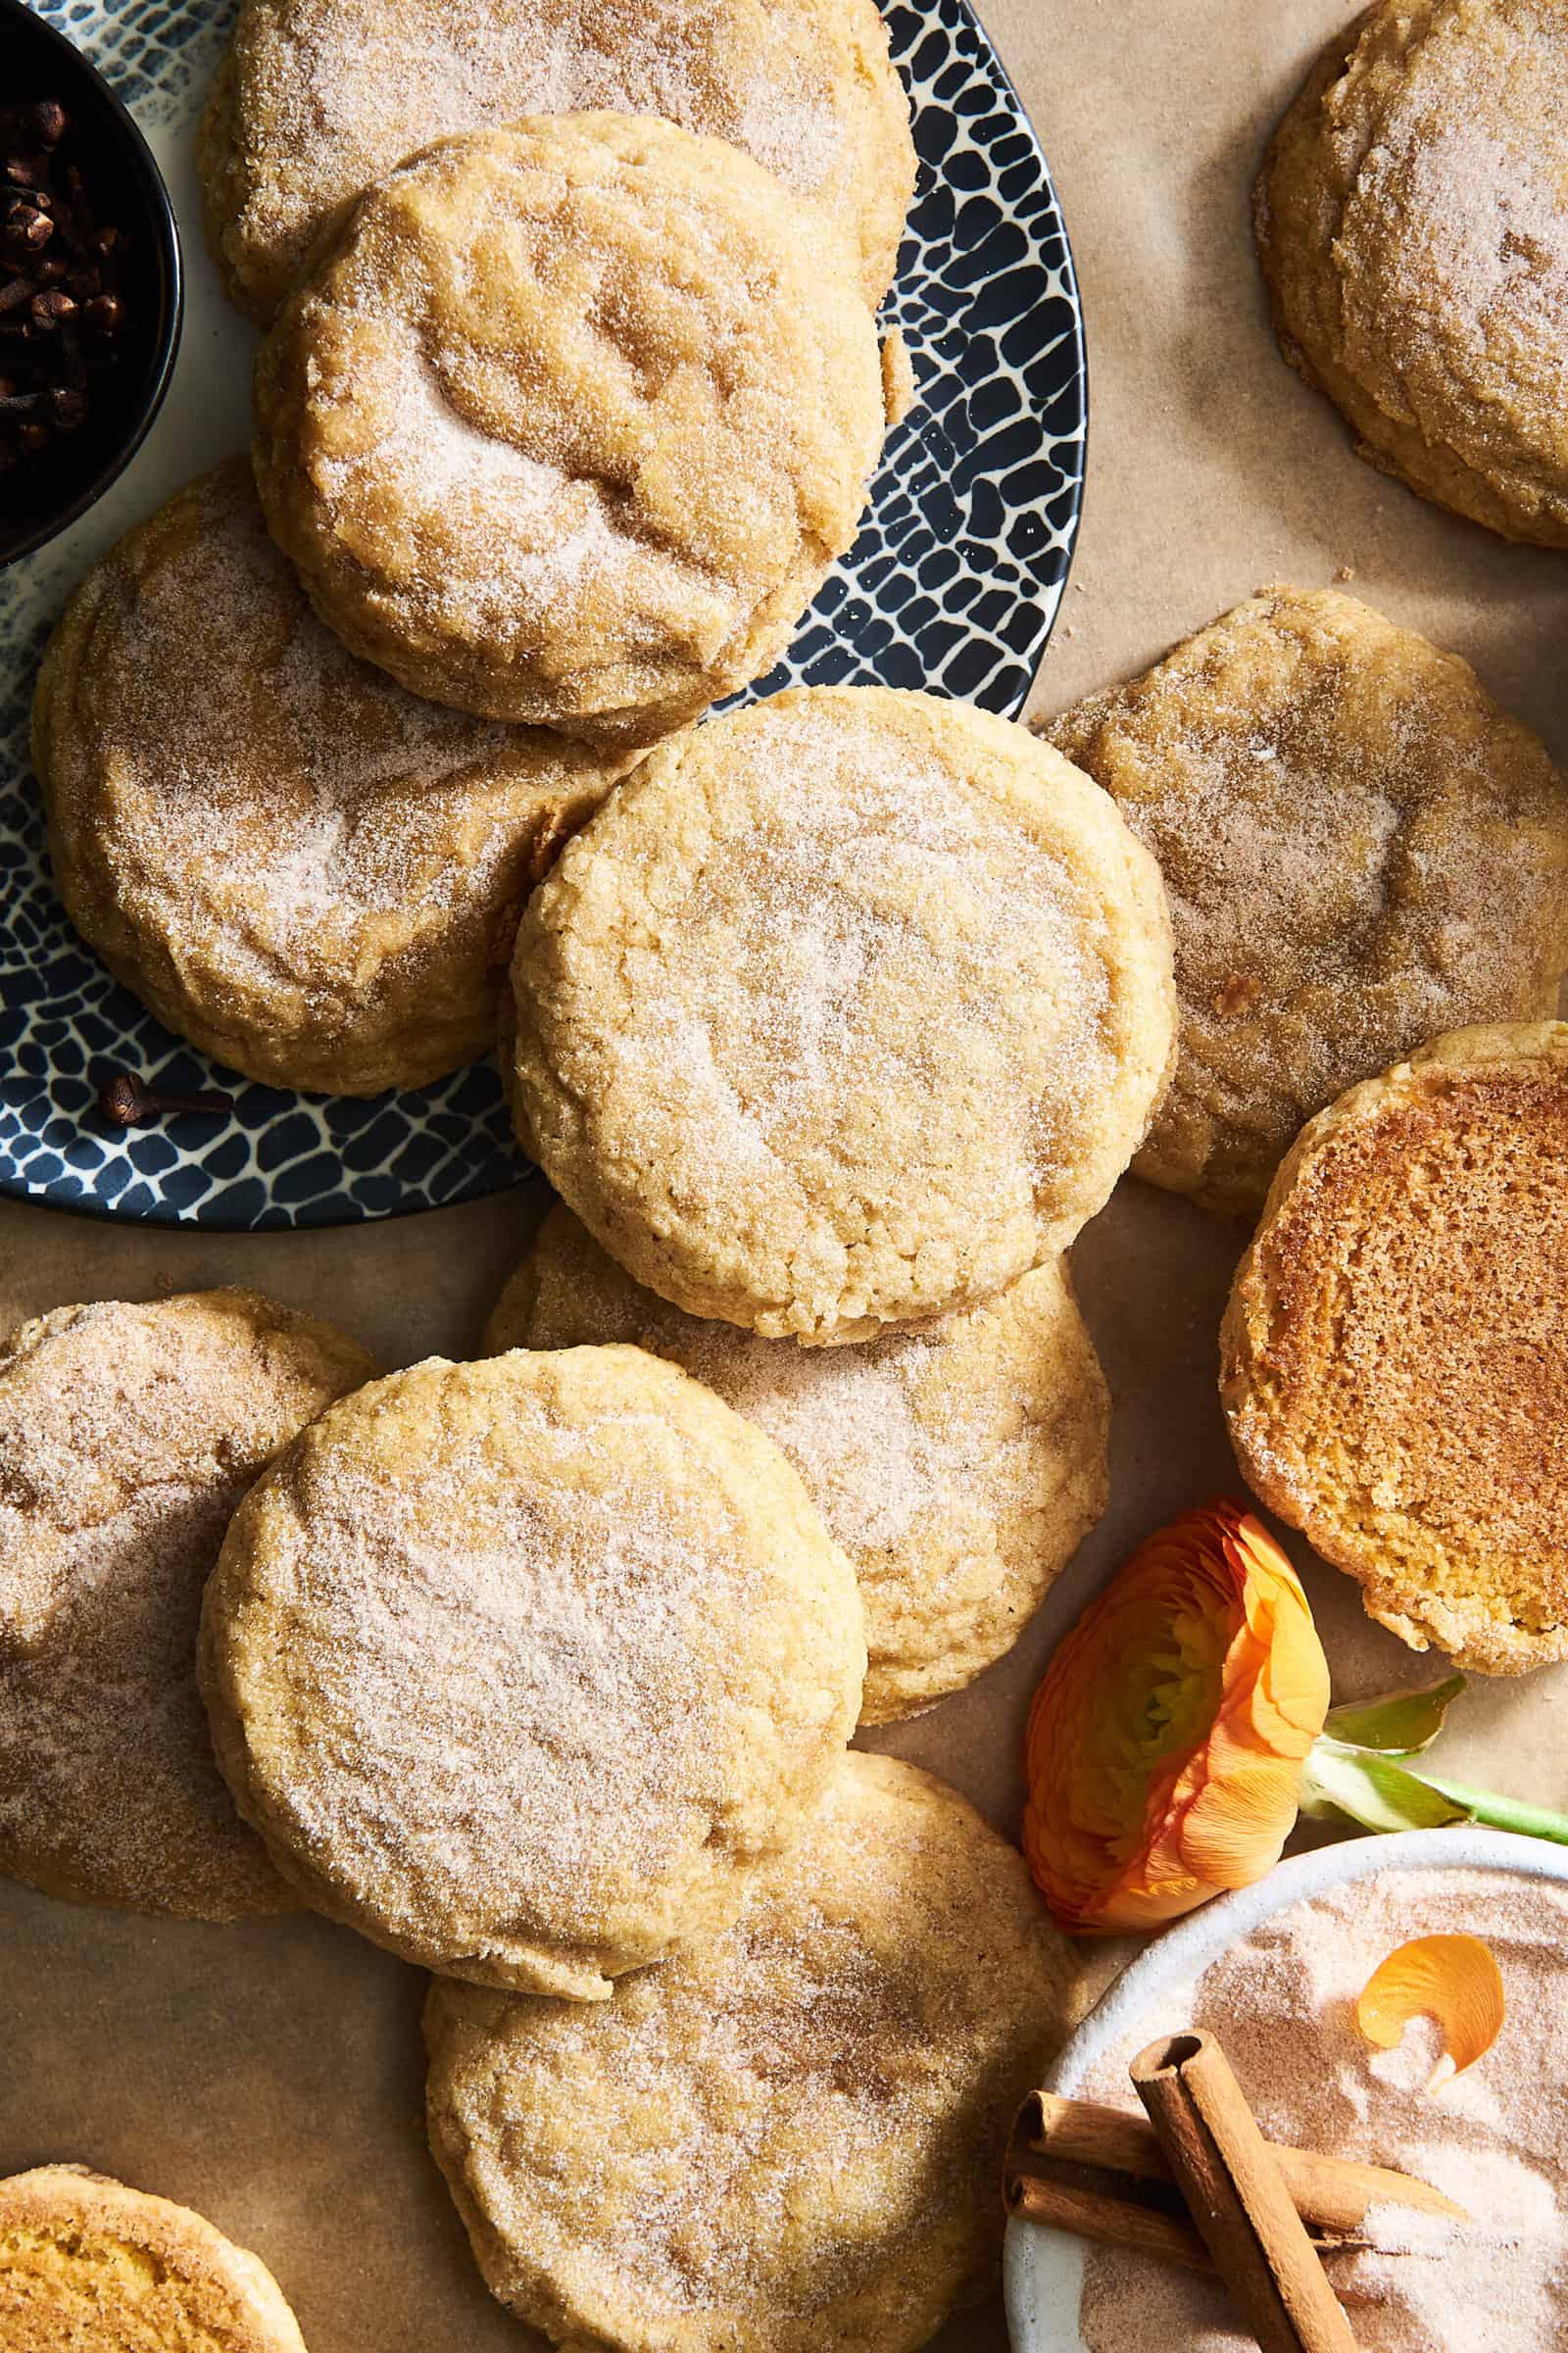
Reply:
x=42, y=494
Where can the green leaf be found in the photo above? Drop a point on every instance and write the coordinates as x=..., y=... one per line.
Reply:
x=1397, y=1723
x=1340, y=1783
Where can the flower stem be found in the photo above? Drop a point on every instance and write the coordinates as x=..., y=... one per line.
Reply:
x=1502, y=1813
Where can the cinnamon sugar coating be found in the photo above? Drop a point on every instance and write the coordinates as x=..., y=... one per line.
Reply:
x=568, y=422
x=90, y=2264
x=1395, y=1355
x=789, y=2140
x=847, y=1009
x=524, y=1668
x=318, y=98
x=127, y=1436
x=1340, y=812
x=1412, y=222
x=960, y=1465
x=304, y=870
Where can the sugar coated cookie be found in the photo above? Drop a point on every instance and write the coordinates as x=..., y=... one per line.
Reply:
x=1412, y=220
x=316, y=98
x=127, y=1436
x=88, y=2266
x=567, y=423
x=1395, y=1355
x=1340, y=812
x=524, y=1668
x=960, y=1465
x=847, y=1009
x=789, y=2140
x=306, y=872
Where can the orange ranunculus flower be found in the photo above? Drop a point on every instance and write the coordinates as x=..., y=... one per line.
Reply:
x=1165, y=1745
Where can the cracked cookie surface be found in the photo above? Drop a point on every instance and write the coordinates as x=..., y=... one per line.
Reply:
x=567, y=423
x=316, y=98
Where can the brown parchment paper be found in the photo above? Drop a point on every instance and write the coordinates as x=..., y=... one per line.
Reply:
x=269, y=2074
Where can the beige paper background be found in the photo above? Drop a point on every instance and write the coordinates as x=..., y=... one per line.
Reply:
x=269, y=2074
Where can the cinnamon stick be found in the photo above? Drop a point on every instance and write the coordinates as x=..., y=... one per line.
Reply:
x=1333, y=2193
x=1236, y=2196
x=1110, y=2221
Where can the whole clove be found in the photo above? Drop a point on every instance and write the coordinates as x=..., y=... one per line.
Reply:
x=62, y=298
x=125, y=1100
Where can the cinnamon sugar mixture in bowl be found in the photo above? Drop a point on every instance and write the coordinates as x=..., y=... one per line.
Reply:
x=1495, y=2138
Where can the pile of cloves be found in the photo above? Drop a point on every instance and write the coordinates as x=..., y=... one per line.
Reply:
x=61, y=304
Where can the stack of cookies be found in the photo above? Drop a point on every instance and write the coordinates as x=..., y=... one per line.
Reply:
x=831, y=1022
x=540, y=1672
x=832, y=1026
x=562, y=418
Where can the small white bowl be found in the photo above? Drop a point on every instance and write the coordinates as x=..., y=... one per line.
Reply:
x=1042, y=2270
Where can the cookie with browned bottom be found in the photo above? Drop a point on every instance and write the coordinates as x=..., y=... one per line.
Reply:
x=88, y=2266
x=788, y=2140
x=1395, y=1355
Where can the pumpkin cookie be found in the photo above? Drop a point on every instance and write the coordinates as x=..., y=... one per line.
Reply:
x=1340, y=811
x=318, y=98
x=960, y=1465
x=524, y=1668
x=847, y=1009
x=294, y=864
x=1395, y=1355
x=88, y=2264
x=127, y=1436
x=785, y=2140
x=568, y=426
x=1413, y=221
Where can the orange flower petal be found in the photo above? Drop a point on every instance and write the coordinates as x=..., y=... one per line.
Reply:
x=1455, y=1980
x=1165, y=1744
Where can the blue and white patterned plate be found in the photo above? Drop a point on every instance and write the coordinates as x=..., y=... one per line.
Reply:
x=952, y=585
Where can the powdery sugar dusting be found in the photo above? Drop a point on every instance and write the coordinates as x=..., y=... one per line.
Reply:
x=104, y=1753
x=808, y=2107
x=882, y=1463
x=309, y=797
x=127, y=1436
x=519, y=1673
x=1475, y=191
x=494, y=543
x=1496, y=2138
x=879, y=935
x=889, y=1450
x=439, y=68
x=1288, y=841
